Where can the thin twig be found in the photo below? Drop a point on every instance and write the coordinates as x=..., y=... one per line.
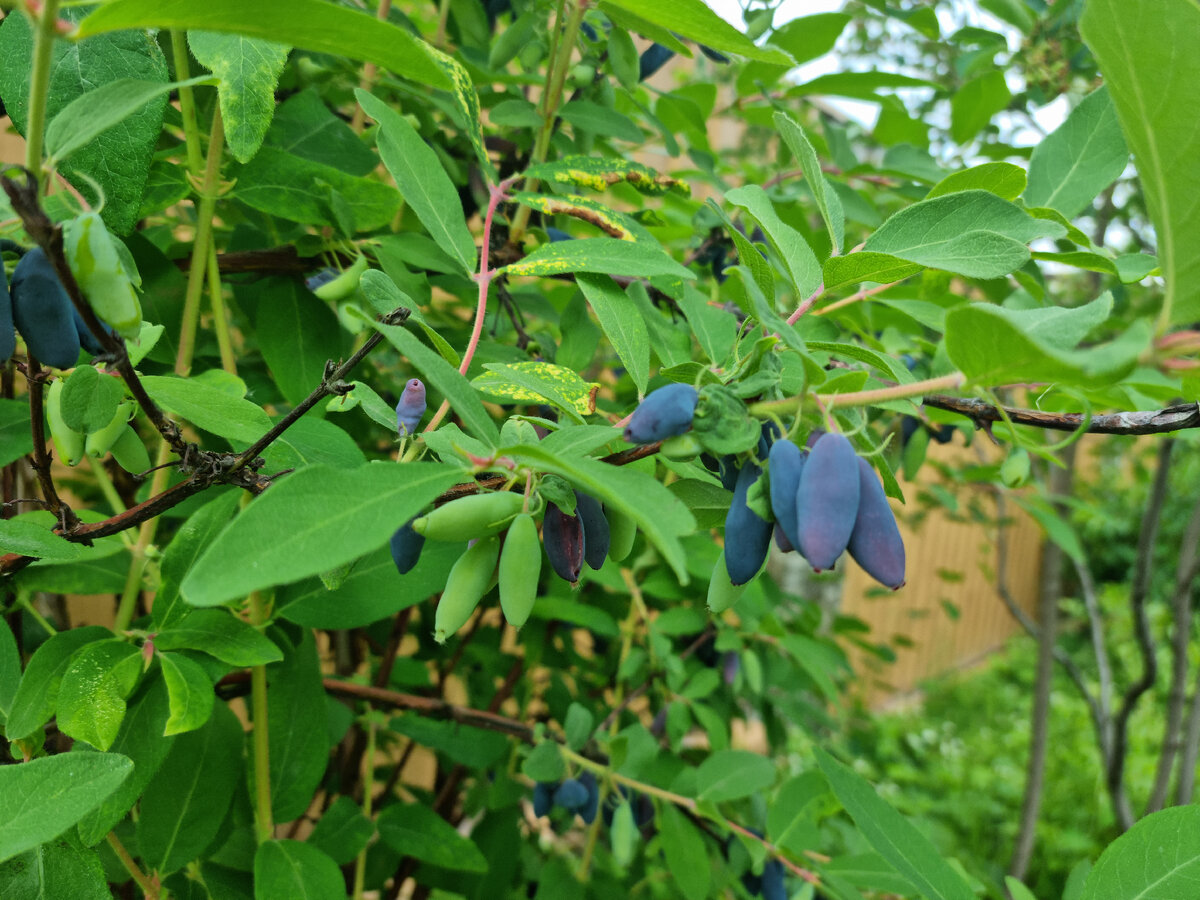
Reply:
x=1158, y=421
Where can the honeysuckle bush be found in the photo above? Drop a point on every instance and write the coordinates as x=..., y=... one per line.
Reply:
x=519, y=215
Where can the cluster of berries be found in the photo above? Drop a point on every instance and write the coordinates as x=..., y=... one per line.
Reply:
x=576, y=795
x=825, y=499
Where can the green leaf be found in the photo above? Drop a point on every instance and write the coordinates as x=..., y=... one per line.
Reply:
x=578, y=726
x=88, y=116
x=707, y=502
x=1037, y=344
x=1002, y=179
x=15, y=437
x=972, y=233
x=37, y=694
x=789, y=816
x=248, y=69
x=190, y=691
x=300, y=740
x=91, y=698
x=861, y=85
x=141, y=739
x=586, y=116
x=291, y=870
x=687, y=858
x=89, y=399
x=422, y=181
x=343, y=831
x=544, y=763
x=462, y=89
x=208, y=407
x=1145, y=52
x=880, y=361
x=731, y=774
x=827, y=201
x=974, y=104
x=1157, y=859
x=332, y=517
x=1016, y=890
x=602, y=256
x=893, y=836
x=693, y=19
x=854, y=268
x=621, y=323
x=47, y=796
x=304, y=126
x=372, y=591
x=299, y=190
x=54, y=869
x=307, y=24
x=29, y=538
x=464, y=399
x=297, y=333
x=749, y=256
x=712, y=324
x=615, y=224
x=533, y=382
x=459, y=743
x=117, y=159
x=221, y=635
x=192, y=538
x=411, y=829
x=186, y=801
x=1080, y=158
x=659, y=515
x=10, y=670
x=793, y=251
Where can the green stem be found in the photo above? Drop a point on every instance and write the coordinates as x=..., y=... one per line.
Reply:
x=264, y=825
x=187, y=103
x=133, y=588
x=951, y=382
x=220, y=315
x=39, y=88
x=196, y=270
x=360, y=864
x=439, y=39
x=109, y=491
x=23, y=600
x=550, y=102
x=639, y=786
x=149, y=888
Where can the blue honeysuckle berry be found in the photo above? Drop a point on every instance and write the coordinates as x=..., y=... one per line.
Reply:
x=411, y=407
x=664, y=413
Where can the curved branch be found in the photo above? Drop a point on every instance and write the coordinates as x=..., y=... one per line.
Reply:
x=1158, y=421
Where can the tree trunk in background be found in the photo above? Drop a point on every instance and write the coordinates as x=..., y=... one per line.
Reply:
x=1050, y=589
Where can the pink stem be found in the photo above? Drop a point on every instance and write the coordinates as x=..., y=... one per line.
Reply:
x=806, y=305
x=497, y=194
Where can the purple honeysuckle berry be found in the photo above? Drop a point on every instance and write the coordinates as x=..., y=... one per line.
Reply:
x=411, y=407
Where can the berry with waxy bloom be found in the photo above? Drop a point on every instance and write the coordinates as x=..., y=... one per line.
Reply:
x=411, y=407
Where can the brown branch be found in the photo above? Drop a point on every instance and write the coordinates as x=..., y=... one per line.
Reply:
x=275, y=261
x=1143, y=568
x=1181, y=610
x=1158, y=421
x=331, y=384
x=67, y=519
x=432, y=707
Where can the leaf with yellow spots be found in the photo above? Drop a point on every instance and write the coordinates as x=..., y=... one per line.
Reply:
x=467, y=99
x=538, y=382
x=601, y=255
x=598, y=173
x=616, y=224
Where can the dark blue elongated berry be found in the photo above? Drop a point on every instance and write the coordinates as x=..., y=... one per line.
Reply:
x=715, y=55
x=728, y=472
x=786, y=462
x=782, y=542
x=747, y=537
x=652, y=59
x=406, y=547
x=875, y=542
x=563, y=538
x=87, y=340
x=664, y=413
x=543, y=798
x=557, y=234
x=771, y=887
x=8, y=333
x=768, y=435
x=595, y=529
x=827, y=500
x=410, y=407
x=43, y=312
x=587, y=812
x=571, y=794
